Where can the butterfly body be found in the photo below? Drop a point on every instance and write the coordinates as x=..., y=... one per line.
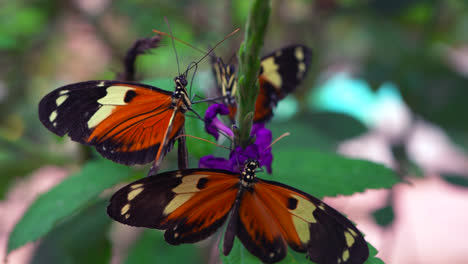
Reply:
x=129, y=123
x=281, y=72
x=266, y=216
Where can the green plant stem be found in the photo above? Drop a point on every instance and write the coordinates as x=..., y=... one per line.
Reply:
x=249, y=67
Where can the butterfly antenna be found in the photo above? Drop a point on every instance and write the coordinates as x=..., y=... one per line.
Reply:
x=209, y=52
x=181, y=41
x=202, y=139
x=173, y=45
x=212, y=100
x=276, y=140
x=191, y=81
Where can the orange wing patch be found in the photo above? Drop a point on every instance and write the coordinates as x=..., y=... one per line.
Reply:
x=265, y=103
x=259, y=229
x=134, y=121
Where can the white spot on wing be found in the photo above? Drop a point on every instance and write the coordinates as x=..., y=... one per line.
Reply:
x=188, y=184
x=299, y=53
x=101, y=84
x=131, y=195
x=349, y=239
x=61, y=99
x=115, y=95
x=301, y=70
x=304, y=209
x=176, y=202
x=271, y=71
x=100, y=115
x=125, y=209
x=302, y=229
x=345, y=256
x=52, y=116
x=135, y=186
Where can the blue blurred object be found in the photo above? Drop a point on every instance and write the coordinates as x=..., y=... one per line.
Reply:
x=285, y=109
x=354, y=97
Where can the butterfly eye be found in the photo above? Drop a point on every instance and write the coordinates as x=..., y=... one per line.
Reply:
x=183, y=81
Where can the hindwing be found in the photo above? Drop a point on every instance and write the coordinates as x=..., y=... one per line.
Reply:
x=274, y=215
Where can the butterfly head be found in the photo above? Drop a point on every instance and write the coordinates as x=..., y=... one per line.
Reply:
x=181, y=92
x=248, y=174
x=181, y=83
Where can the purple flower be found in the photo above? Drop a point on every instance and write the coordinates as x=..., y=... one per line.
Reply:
x=212, y=124
x=260, y=150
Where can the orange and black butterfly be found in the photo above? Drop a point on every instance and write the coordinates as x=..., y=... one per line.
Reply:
x=280, y=73
x=266, y=216
x=129, y=123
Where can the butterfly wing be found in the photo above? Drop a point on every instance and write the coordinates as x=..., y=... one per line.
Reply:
x=274, y=215
x=189, y=204
x=280, y=73
x=226, y=82
x=126, y=122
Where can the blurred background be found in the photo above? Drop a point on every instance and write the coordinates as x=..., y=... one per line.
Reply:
x=388, y=83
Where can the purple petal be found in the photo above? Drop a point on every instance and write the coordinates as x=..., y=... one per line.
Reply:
x=237, y=157
x=212, y=162
x=214, y=110
x=212, y=124
x=256, y=127
x=263, y=135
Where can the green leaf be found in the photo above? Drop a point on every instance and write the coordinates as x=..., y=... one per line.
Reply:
x=384, y=216
x=457, y=180
x=238, y=254
x=65, y=199
x=372, y=253
x=327, y=174
x=320, y=130
x=69, y=242
x=151, y=248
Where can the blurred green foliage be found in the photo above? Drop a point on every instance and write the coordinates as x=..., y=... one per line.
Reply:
x=152, y=248
x=65, y=199
x=46, y=44
x=67, y=243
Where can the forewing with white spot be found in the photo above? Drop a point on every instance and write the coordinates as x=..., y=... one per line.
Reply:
x=126, y=122
x=189, y=204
